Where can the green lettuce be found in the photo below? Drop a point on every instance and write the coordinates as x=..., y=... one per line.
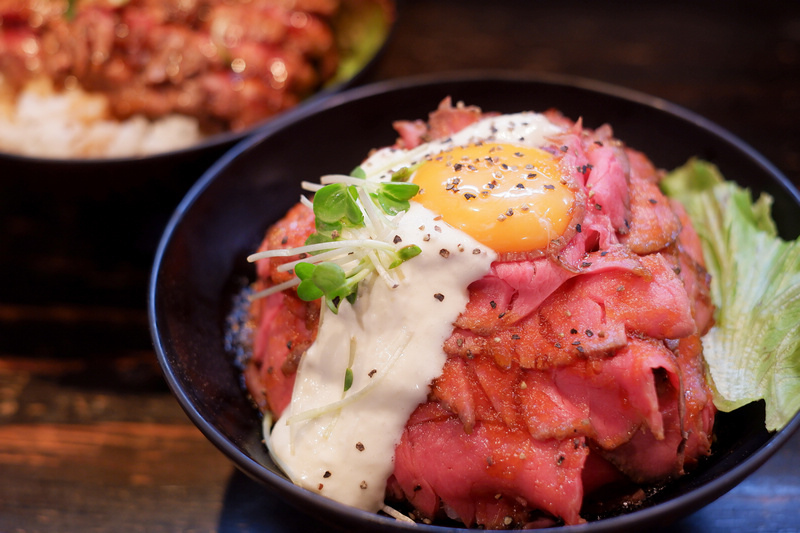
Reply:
x=753, y=350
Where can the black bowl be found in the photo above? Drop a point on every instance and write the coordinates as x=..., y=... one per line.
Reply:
x=201, y=263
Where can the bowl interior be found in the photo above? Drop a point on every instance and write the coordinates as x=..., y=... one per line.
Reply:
x=201, y=261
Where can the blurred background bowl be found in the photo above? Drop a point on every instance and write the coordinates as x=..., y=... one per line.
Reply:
x=96, y=222
x=200, y=264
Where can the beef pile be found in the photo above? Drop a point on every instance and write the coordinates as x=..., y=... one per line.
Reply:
x=230, y=63
x=567, y=375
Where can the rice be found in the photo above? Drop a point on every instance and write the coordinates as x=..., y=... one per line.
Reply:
x=40, y=122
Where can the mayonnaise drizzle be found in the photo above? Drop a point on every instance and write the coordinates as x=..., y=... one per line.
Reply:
x=396, y=337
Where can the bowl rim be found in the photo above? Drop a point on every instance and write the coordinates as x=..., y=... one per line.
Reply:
x=705, y=493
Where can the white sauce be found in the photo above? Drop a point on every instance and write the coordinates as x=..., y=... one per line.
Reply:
x=396, y=337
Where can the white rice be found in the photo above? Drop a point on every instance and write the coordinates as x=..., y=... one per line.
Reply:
x=75, y=124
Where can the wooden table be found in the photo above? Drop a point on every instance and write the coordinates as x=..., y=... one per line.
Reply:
x=90, y=437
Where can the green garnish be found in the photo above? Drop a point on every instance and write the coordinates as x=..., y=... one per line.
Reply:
x=71, y=11
x=393, y=197
x=753, y=350
x=348, y=379
x=358, y=209
x=327, y=279
x=335, y=206
x=405, y=173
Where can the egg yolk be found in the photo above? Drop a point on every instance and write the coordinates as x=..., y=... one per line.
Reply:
x=507, y=197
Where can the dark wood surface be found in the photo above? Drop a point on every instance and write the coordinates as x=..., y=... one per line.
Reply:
x=91, y=439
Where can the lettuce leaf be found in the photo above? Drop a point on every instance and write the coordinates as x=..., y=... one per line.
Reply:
x=753, y=350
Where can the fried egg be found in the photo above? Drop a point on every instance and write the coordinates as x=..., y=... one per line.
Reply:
x=510, y=198
x=493, y=180
x=489, y=189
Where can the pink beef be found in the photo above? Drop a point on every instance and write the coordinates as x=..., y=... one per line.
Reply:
x=653, y=223
x=412, y=133
x=285, y=326
x=442, y=123
x=608, y=186
x=628, y=408
x=493, y=472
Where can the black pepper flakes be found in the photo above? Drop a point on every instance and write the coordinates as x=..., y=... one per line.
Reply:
x=652, y=201
x=444, y=252
x=372, y=372
x=285, y=239
x=557, y=345
x=560, y=460
x=515, y=337
x=589, y=333
x=458, y=166
x=586, y=264
x=476, y=251
x=439, y=296
x=578, y=228
x=363, y=485
x=327, y=474
x=397, y=239
x=573, y=331
x=469, y=195
x=359, y=446
x=549, y=187
x=493, y=304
